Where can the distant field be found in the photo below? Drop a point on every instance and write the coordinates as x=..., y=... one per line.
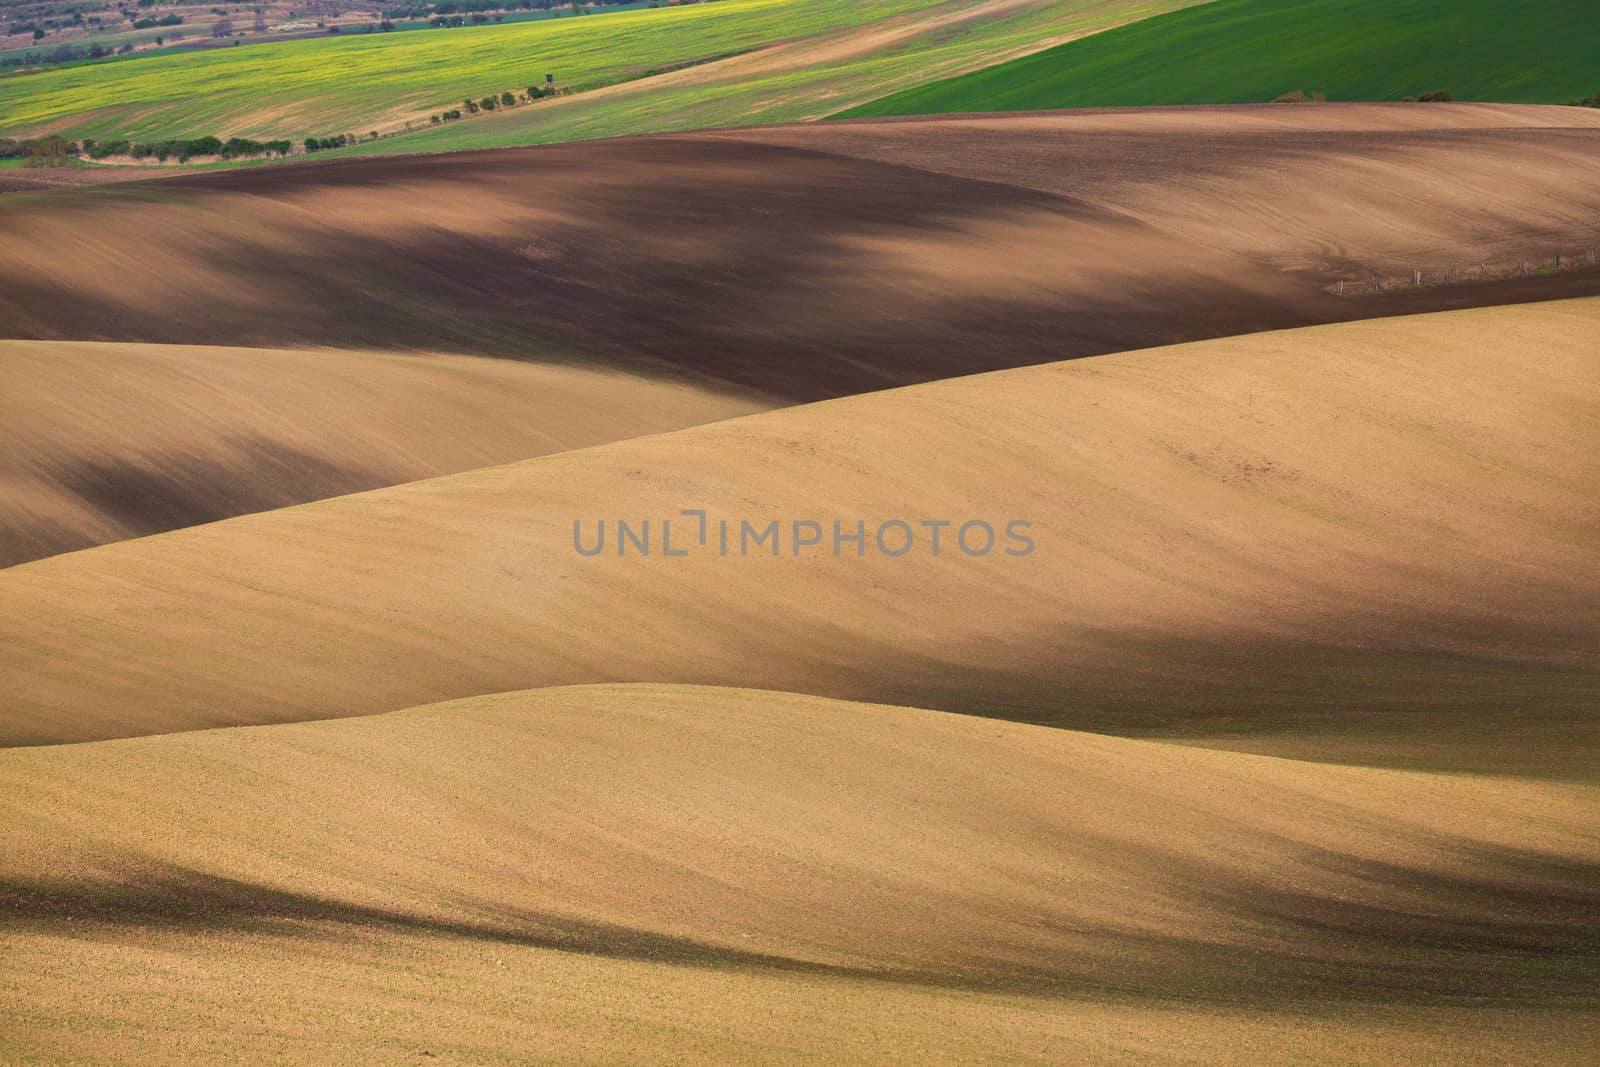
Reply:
x=792, y=59
x=1237, y=51
x=799, y=79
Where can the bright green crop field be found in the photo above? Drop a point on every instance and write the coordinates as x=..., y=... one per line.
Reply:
x=829, y=54
x=343, y=84
x=1236, y=51
x=807, y=78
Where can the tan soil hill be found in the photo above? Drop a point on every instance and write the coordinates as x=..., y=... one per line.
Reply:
x=1363, y=542
x=812, y=262
x=108, y=441
x=659, y=871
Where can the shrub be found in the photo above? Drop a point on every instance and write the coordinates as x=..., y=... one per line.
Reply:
x=1436, y=96
x=50, y=152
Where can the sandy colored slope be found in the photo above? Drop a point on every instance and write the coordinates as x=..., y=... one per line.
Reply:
x=109, y=441
x=811, y=270
x=1370, y=541
x=652, y=842
x=1329, y=188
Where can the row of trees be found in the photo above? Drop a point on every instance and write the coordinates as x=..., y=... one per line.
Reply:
x=185, y=150
x=319, y=144
x=65, y=53
x=493, y=103
x=60, y=152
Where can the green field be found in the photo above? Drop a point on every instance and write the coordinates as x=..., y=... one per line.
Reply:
x=1237, y=51
x=808, y=78
x=831, y=54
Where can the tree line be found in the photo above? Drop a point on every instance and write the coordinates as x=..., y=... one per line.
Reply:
x=508, y=98
x=60, y=152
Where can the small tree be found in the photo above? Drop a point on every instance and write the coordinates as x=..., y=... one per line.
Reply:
x=222, y=28
x=508, y=98
x=487, y=103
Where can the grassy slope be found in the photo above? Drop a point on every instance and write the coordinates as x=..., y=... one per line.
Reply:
x=1235, y=51
x=798, y=81
x=353, y=84
x=643, y=873
x=1367, y=542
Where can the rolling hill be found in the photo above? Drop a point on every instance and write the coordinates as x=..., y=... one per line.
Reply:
x=155, y=437
x=678, y=67
x=652, y=871
x=1369, y=542
x=1243, y=51
x=810, y=262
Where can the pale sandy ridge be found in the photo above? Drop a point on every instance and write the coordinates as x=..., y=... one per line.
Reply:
x=634, y=845
x=108, y=441
x=1372, y=541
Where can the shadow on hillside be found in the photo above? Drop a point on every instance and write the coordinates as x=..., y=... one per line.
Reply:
x=1525, y=927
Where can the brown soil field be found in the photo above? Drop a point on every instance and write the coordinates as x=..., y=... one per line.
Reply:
x=675, y=873
x=1368, y=542
x=818, y=261
x=110, y=441
x=34, y=179
x=1331, y=189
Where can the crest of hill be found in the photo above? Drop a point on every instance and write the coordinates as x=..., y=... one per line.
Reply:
x=806, y=263
x=657, y=838
x=110, y=441
x=1370, y=541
